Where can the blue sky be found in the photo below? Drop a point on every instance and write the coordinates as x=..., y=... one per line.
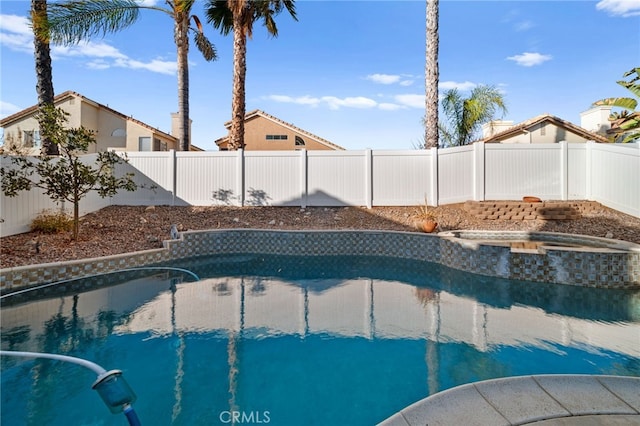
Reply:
x=351, y=72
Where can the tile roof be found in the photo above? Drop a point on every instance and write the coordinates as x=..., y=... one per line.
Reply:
x=520, y=127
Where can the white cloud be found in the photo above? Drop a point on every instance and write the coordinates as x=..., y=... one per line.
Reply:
x=332, y=102
x=412, y=101
x=528, y=59
x=7, y=109
x=156, y=65
x=98, y=64
x=89, y=49
x=383, y=78
x=15, y=24
x=15, y=33
x=360, y=102
x=523, y=25
x=385, y=106
x=302, y=100
x=624, y=8
x=448, y=85
x=403, y=80
x=349, y=102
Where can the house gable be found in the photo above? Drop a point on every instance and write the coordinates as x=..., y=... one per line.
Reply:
x=264, y=132
x=111, y=128
x=544, y=128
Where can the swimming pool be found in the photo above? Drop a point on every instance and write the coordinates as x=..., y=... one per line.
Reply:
x=290, y=340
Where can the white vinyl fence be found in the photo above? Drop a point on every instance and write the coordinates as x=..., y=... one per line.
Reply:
x=607, y=173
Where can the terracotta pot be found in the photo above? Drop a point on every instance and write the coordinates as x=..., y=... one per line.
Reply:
x=530, y=199
x=428, y=225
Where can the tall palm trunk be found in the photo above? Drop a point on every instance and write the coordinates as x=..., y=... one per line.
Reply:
x=182, y=43
x=432, y=75
x=238, y=104
x=44, y=72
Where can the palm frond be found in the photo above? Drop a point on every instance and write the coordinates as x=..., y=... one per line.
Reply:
x=626, y=103
x=219, y=15
x=72, y=21
x=633, y=137
x=632, y=86
x=203, y=44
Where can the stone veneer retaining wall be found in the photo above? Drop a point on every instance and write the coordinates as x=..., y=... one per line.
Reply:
x=588, y=267
x=519, y=210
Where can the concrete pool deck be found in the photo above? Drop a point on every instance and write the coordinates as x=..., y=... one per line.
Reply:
x=544, y=400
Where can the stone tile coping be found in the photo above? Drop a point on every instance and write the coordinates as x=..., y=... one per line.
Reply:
x=550, y=399
x=601, y=263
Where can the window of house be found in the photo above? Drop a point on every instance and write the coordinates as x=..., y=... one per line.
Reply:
x=119, y=133
x=543, y=130
x=31, y=138
x=299, y=141
x=158, y=145
x=144, y=143
x=277, y=137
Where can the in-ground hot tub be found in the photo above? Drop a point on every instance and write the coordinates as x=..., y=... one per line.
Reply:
x=544, y=256
x=541, y=241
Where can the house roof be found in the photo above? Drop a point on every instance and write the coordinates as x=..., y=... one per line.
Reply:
x=71, y=94
x=257, y=112
x=544, y=118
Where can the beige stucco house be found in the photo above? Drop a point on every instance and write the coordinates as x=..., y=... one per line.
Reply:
x=111, y=128
x=544, y=128
x=264, y=132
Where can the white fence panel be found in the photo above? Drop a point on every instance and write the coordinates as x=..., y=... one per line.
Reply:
x=577, y=171
x=456, y=174
x=154, y=172
x=209, y=178
x=607, y=173
x=92, y=201
x=18, y=212
x=615, y=171
x=400, y=178
x=274, y=178
x=336, y=178
x=514, y=171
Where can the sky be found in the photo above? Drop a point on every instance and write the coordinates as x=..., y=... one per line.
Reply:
x=351, y=72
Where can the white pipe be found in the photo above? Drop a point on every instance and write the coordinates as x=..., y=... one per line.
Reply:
x=79, y=361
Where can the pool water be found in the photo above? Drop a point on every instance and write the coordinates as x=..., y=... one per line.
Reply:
x=294, y=340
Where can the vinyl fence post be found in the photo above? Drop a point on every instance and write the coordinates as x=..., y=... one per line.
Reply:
x=240, y=176
x=478, y=171
x=564, y=172
x=368, y=177
x=588, y=171
x=434, y=176
x=304, y=177
x=173, y=174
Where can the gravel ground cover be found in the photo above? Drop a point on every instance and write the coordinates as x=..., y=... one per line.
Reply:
x=123, y=229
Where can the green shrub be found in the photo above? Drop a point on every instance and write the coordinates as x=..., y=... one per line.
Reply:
x=49, y=222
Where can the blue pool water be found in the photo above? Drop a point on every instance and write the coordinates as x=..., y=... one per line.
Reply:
x=299, y=341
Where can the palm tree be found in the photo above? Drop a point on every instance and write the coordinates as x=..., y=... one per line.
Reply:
x=625, y=125
x=465, y=116
x=432, y=74
x=44, y=71
x=72, y=21
x=239, y=16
